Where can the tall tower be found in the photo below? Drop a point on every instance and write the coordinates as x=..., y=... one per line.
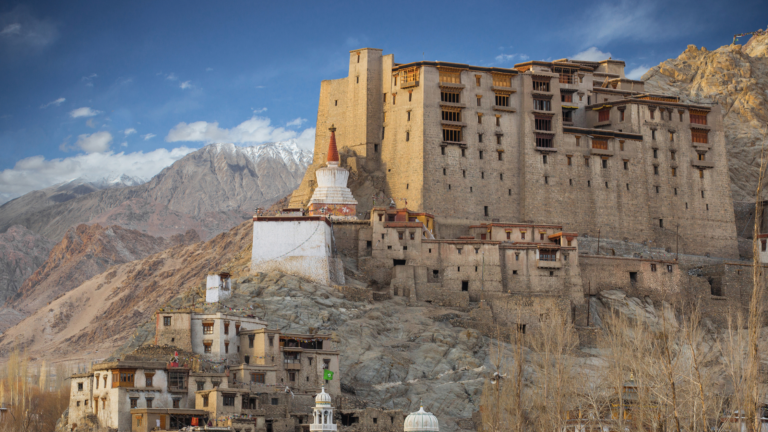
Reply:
x=322, y=413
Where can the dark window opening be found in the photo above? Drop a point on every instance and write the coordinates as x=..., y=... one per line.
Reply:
x=349, y=419
x=398, y=262
x=465, y=285
x=449, y=97
x=633, y=276
x=715, y=286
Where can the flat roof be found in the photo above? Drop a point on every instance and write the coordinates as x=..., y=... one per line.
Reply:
x=292, y=219
x=177, y=411
x=398, y=66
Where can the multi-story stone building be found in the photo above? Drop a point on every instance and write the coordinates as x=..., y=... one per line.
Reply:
x=569, y=142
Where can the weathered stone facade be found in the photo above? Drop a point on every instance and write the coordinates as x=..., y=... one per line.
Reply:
x=525, y=144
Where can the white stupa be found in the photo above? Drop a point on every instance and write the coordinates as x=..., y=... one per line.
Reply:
x=421, y=421
x=322, y=413
x=332, y=197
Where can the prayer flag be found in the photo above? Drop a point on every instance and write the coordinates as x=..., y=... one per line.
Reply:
x=327, y=375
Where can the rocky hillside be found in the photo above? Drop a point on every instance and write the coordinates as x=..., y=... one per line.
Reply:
x=84, y=252
x=736, y=77
x=210, y=190
x=21, y=253
x=91, y=320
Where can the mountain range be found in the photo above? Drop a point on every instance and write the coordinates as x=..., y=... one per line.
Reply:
x=209, y=190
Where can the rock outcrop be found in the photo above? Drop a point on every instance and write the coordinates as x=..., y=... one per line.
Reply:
x=736, y=77
x=21, y=253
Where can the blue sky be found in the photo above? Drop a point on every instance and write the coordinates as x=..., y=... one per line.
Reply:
x=95, y=88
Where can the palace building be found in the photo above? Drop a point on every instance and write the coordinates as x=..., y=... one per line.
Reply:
x=570, y=142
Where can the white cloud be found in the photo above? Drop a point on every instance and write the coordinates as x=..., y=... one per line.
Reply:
x=259, y=111
x=253, y=131
x=129, y=131
x=57, y=102
x=89, y=77
x=296, y=122
x=148, y=136
x=84, y=112
x=186, y=85
x=90, y=123
x=508, y=58
x=36, y=172
x=171, y=76
x=592, y=54
x=97, y=142
x=638, y=72
x=124, y=144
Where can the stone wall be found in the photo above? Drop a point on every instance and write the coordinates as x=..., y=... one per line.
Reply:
x=295, y=246
x=177, y=333
x=631, y=275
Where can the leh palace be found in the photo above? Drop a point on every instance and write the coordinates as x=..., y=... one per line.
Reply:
x=501, y=192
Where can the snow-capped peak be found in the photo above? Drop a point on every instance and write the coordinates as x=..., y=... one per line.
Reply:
x=121, y=180
x=287, y=151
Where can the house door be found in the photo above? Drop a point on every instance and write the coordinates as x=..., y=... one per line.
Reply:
x=96, y=406
x=162, y=422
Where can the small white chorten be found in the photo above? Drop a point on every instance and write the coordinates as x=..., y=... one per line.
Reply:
x=421, y=421
x=332, y=197
x=322, y=413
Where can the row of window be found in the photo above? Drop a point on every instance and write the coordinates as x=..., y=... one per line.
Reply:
x=454, y=114
x=394, y=97
x=500, y=98
x=135, y=402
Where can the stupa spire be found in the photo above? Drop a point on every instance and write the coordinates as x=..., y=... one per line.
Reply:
x=333, y=152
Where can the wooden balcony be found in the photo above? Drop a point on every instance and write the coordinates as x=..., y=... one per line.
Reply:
x=549, y=264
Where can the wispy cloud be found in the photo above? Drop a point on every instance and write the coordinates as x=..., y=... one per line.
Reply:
x=37, y=172
x=124, y=144
x=90, y=123
x=259, y=110
x=148, y=136
x=592, y=54
x=185, y=85
x=638, y=72
x=84, y=112
x=296, y=122
x=129, y=131
x=628, y=20
x=172, y=77
x=20, y=29
x=254, y=130
x=208, y=69
x=57, y=102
